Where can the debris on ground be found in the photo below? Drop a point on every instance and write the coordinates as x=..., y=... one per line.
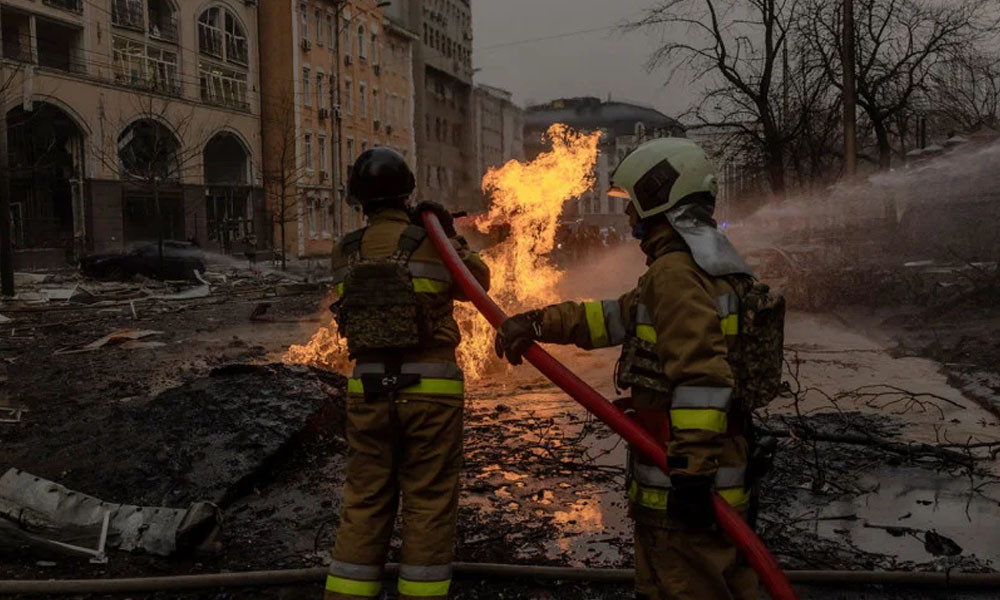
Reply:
x=127, y=339
x=41, y=516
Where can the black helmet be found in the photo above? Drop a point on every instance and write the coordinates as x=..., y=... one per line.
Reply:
x=380, y=175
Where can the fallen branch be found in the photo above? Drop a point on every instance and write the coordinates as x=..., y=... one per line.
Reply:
x=918, y=450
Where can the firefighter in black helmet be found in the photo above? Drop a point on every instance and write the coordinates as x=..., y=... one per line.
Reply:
x=405, y=398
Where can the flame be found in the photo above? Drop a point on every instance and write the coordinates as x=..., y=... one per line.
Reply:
x=526, y=200
x=326, y=349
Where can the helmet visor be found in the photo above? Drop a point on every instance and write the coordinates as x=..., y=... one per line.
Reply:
x=653, y=189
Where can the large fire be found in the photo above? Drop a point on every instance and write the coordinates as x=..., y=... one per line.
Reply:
x=526, y=200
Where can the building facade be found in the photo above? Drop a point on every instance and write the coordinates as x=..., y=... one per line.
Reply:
x=499, y=129
x=130, y=119
x=624, y=127
x=337, y=81
x=444, y=119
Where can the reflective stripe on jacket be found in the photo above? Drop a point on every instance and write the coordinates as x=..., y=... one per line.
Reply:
x=436, y=378
x=689, y=317
x=431, y=277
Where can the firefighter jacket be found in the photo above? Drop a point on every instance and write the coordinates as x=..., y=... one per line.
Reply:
x=435, y=362
x=675, y=328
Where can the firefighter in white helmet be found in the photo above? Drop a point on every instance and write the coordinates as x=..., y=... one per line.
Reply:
x=678, y=330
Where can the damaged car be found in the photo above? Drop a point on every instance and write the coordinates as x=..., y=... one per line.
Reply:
x=180, y=261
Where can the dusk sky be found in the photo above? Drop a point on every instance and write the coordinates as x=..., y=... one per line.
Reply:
x=595, y=63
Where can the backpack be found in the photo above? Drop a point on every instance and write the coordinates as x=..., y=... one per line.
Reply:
x=757, y=358
x=379, y=309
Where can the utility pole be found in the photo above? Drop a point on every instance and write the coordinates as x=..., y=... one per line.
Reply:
x=850, y=93
x=6, y=245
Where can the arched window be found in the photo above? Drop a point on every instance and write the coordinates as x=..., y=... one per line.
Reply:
x=220, y=34
x=362, y=51
x=224, y=49
x=148, y=151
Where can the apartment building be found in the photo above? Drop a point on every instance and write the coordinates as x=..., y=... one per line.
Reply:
x=444, y=104
x=336, y=81
x=130, y=119
x=499, y=128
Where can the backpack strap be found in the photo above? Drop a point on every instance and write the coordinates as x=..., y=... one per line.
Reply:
x=351, y=246
x=409, y=241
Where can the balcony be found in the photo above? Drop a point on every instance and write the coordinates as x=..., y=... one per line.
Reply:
x=70, y=5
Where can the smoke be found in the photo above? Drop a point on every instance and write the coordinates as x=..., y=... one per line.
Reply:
x=607, y=274
x=939, y=208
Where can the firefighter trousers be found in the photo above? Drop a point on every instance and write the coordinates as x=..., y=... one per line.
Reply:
x=408, y=453
x=679, y=563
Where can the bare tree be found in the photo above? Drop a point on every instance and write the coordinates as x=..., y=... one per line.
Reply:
x=282, y=169
x=900, y=43
x=739, y=48
x=965, y=88
x=160, y=143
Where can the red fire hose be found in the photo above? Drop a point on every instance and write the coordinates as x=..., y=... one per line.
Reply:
x=770, y=573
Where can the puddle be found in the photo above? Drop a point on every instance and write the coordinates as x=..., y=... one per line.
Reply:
x=913, y=498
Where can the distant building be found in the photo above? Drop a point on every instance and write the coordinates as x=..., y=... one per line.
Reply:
x=624, y=125
x=499, y=128
x=442, y=66
x=336, y=80
x=127, y=119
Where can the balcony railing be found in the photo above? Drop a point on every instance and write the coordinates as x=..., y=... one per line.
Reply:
x=70, y=5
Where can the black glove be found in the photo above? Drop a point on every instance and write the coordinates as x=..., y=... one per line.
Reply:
x=690, y=500
x=517, y=334
x=445, y=217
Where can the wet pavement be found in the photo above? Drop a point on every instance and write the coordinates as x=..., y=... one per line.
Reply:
x=870, y=514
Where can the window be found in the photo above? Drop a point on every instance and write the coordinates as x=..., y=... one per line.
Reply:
x=221, y=36
x=375, y=42
x=322, y=152
x=346, y=45
x=362, y=51
x=145, y=67
x=350, y=155
x=304, y=13
x=330, y=33
x=306, y=91
x=223, y=86
x=311, y=211
x=237, y=49
x=349, y=96
x=210, y=32
x=375, y=111
x=324, y=212
x=364, y=146
x=127, y=13
x=363, y=100
x=308, y=151
x=319, y=27
x=320, y=96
